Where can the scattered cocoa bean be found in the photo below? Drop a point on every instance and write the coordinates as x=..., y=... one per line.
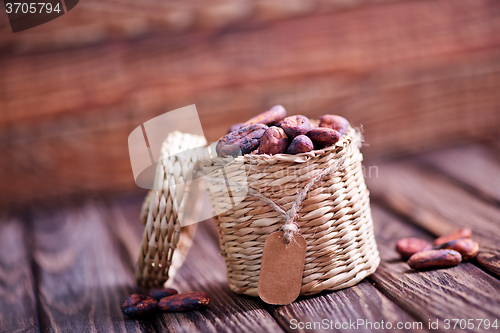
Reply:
x=300, y=144
x=241, y=141
x=434, y=259
x=407, y=247
x=273, y=141
x=461, y=233
x=159, y=293
x=276, y=114
x=235, y=127
x=467, y=247
x=338, y=123
x=295, y=126
x=184, y=302
x=323, y=137
x=139, y=305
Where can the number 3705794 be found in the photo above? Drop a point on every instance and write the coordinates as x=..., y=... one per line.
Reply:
x=470, y=324
x=32, y=8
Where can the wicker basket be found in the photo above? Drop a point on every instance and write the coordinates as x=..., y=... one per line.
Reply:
x=165, y=243
x=322, y=194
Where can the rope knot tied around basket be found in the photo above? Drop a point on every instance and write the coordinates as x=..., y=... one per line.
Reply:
x=290, y=227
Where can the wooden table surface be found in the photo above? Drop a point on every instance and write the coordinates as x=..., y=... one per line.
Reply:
x=68, y=270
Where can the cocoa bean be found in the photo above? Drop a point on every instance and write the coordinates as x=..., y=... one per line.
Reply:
x=139, y=305
x=300, y=144
x=159, y=293
x=338, y=123
x=323, y=137
x=235, y=127
x=184, y=302
x=407, y=247
x=467, y=247
x=295, y=126
x=273, y=141
x=242, y=141
x=434, y=259
x=461, y=233
x=276, y=114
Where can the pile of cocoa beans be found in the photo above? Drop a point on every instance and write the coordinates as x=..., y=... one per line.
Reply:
x=448, y=250
x=163, y=299
x=272, y=132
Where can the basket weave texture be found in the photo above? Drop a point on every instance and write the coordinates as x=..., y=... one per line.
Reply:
x=321, y=194
x=333, y=215
x=165, y=243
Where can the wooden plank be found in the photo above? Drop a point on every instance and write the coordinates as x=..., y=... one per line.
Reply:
x=17, y=283
x=473, y=166
x=356, y=308
x=100, y=21
x=204, y=270
x=462, y=292
x=366, y=41
x=439, y=206
x=88, y=153
x=402, y=82
x=84, y=272
x=96, y=161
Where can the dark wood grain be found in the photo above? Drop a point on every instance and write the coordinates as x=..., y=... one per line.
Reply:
x=400, y=81
x=463, y=292
x=196, y=64
x=103, y=21
x=100, y=21
x=433, y=202
x=473, y=166
x=85, y=150
x=204, y=270
x=84, y=272
x=17, y=283
x=362, y=302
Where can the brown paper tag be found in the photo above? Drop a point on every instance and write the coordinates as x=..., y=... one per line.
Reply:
x=281, y=269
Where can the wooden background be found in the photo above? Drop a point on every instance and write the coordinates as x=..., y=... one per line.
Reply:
x=68, y=269
x=417, y=75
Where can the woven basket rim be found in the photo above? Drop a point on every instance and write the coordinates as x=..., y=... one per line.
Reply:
x=352, y=135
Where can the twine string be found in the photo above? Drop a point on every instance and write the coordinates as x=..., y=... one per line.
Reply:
x=290, y=225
